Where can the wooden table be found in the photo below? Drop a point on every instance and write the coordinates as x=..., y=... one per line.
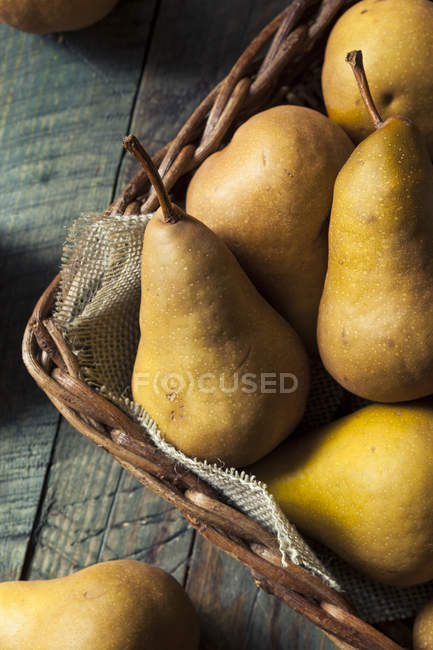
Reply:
x=66, y=101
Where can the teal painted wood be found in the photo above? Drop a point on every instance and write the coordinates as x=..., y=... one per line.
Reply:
x=94, y=511
x=72, y=100
x=64, y=101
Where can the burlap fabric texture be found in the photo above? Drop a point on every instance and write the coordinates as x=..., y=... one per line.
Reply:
x=97, y=309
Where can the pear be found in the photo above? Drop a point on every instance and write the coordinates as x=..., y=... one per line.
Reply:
x=396, y=37
x=423, y=628
x=223, y=375
x=44, y=16
x=375, y=329
x=363, y=485
x=120, y=605
x=268, y=195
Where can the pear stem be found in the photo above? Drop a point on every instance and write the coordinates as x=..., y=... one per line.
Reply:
x=133, y=145
x=355, y=60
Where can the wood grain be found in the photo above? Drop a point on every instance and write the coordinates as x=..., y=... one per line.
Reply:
x=64, y=101
x=237, y=615
x=94, y=511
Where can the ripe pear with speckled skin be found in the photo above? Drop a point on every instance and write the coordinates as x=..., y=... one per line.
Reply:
x=423, y=628
x=268, y=195
x=221, y=372
x=118, y=605
x=363, y=486
x=396, y=37
x=375, y=326
x=46, y=16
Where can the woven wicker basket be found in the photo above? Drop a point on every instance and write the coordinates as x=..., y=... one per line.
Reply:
x=295, y=40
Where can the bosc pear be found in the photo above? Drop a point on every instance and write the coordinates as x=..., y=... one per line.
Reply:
x=363, y=486
x=223, y=375
x=268, y=195
x=375, y=326
x=120, y=605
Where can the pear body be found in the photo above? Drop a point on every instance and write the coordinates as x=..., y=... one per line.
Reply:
x=206, y=337
x=45, y=16
x=118, y=605
x=396, y=39
x=375, y=329
x=423, y=628
x=363, y=486
x=257, y=195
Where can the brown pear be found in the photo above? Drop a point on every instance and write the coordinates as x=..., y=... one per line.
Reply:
x=268, y=195
x=375, y=327
x=118, y=605
x=224, y=376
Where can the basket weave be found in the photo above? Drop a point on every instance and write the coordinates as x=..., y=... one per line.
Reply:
x=296, y=39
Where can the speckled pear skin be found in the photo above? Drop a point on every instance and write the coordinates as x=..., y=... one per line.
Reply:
x=363, y=486
x=396, y=38
x=117, y=605
x=423, y=628
x=268, y=195
x=375, y=327
x=200, y=314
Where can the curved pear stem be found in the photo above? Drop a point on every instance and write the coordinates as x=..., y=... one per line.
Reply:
x=355, y=60
x=133, y=145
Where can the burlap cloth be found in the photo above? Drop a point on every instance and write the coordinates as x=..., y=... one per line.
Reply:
x=97, y=308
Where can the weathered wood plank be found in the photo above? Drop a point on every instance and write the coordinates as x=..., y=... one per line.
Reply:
x=237, y=613
x=94, y=511
x=65, y=105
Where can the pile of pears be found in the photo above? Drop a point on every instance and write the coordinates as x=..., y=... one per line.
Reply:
x=300, y=245
x=297, y=243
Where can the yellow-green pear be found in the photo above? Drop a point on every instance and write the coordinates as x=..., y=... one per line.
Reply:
x=44, y=16
x=224, y=375
x=375, y=326
x=118, y=605
x=423, y=628
x=363, y=486
x=396, y=37
x=268, y=195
